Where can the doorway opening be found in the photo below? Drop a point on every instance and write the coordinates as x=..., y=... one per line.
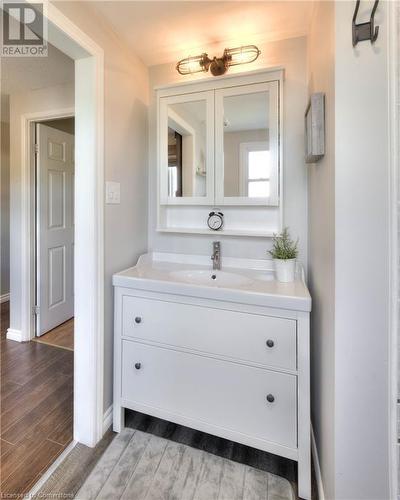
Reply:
x=54, y=231
x=79, y=405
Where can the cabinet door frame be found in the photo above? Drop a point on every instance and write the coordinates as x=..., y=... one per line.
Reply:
x=272, y=87
x=163, y=103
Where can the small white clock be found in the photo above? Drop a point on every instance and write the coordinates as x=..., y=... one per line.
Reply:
x=215, y=220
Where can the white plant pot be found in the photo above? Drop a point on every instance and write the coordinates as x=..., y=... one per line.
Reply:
x=285, y=270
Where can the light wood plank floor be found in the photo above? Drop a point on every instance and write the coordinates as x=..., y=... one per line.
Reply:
x=138, y=465
x=224, y=448
x=36, y=409
x=61, y=336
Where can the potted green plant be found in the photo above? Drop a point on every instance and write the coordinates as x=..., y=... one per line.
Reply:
x=284, y=253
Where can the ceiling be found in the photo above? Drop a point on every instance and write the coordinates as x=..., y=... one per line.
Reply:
x=163, y=31
x=19, y=74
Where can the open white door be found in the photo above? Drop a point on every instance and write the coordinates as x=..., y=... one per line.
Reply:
x=55, y=227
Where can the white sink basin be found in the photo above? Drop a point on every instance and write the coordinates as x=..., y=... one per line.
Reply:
x=241, y=280
x=211, y=278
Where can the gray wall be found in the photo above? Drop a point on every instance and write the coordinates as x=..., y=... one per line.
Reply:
x=5, y=195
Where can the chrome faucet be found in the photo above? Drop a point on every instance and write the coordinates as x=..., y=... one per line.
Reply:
x=216, y=255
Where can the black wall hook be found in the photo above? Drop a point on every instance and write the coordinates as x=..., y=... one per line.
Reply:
x=365, y=31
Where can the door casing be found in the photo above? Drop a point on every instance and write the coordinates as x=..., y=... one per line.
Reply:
x=89, y=212
x=394, y=243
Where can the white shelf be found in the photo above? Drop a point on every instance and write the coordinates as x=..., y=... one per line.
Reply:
x=222, y=232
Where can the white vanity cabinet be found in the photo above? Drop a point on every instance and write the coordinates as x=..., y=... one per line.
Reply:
x=226, y=361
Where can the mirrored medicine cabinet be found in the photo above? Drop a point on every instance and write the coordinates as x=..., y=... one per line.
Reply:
x=219, y=145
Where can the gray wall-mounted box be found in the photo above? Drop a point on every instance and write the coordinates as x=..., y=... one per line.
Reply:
x=315, y=128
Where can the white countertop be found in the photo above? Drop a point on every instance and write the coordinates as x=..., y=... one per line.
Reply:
x=255, y=281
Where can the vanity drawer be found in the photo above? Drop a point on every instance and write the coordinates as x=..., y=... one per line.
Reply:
x=189, y=388
x=247, y=337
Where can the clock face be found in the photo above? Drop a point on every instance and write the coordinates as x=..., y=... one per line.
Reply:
x=215, y=221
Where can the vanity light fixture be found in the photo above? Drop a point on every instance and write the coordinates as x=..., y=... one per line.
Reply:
x=218, y=65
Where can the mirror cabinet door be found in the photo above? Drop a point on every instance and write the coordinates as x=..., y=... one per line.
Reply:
x=247, y=145
x=187, y=148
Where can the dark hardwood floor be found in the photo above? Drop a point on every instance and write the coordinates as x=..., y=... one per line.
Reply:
x=36, y=409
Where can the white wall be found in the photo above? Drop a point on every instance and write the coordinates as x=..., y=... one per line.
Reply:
x=5, y=195
x=321, y=218
x=362, y=260
x=292, y=55
x=126, y=100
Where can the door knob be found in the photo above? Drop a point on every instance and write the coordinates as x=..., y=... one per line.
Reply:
x=270, y=398
x=270, y=343
x=138, y=366
x=138, y=319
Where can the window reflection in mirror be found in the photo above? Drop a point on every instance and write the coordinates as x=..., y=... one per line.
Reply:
x=187, y=169
x=246, y=145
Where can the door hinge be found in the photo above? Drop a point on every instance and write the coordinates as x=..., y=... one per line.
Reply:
x=36, y=149
x=35, y=310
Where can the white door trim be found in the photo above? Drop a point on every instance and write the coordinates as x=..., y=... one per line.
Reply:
x=394, y=224
x=89, y=223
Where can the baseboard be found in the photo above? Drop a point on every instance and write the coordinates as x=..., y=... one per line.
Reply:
x=14, y=335
x=107, y=419
x=317, y=468
x=4, y=298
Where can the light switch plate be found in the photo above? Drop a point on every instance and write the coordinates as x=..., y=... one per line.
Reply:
x=113, y=193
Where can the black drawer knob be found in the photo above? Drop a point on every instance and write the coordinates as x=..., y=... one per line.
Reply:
x=138, y=366
x=270, y=343
x=270, y=398
x=138, y=319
